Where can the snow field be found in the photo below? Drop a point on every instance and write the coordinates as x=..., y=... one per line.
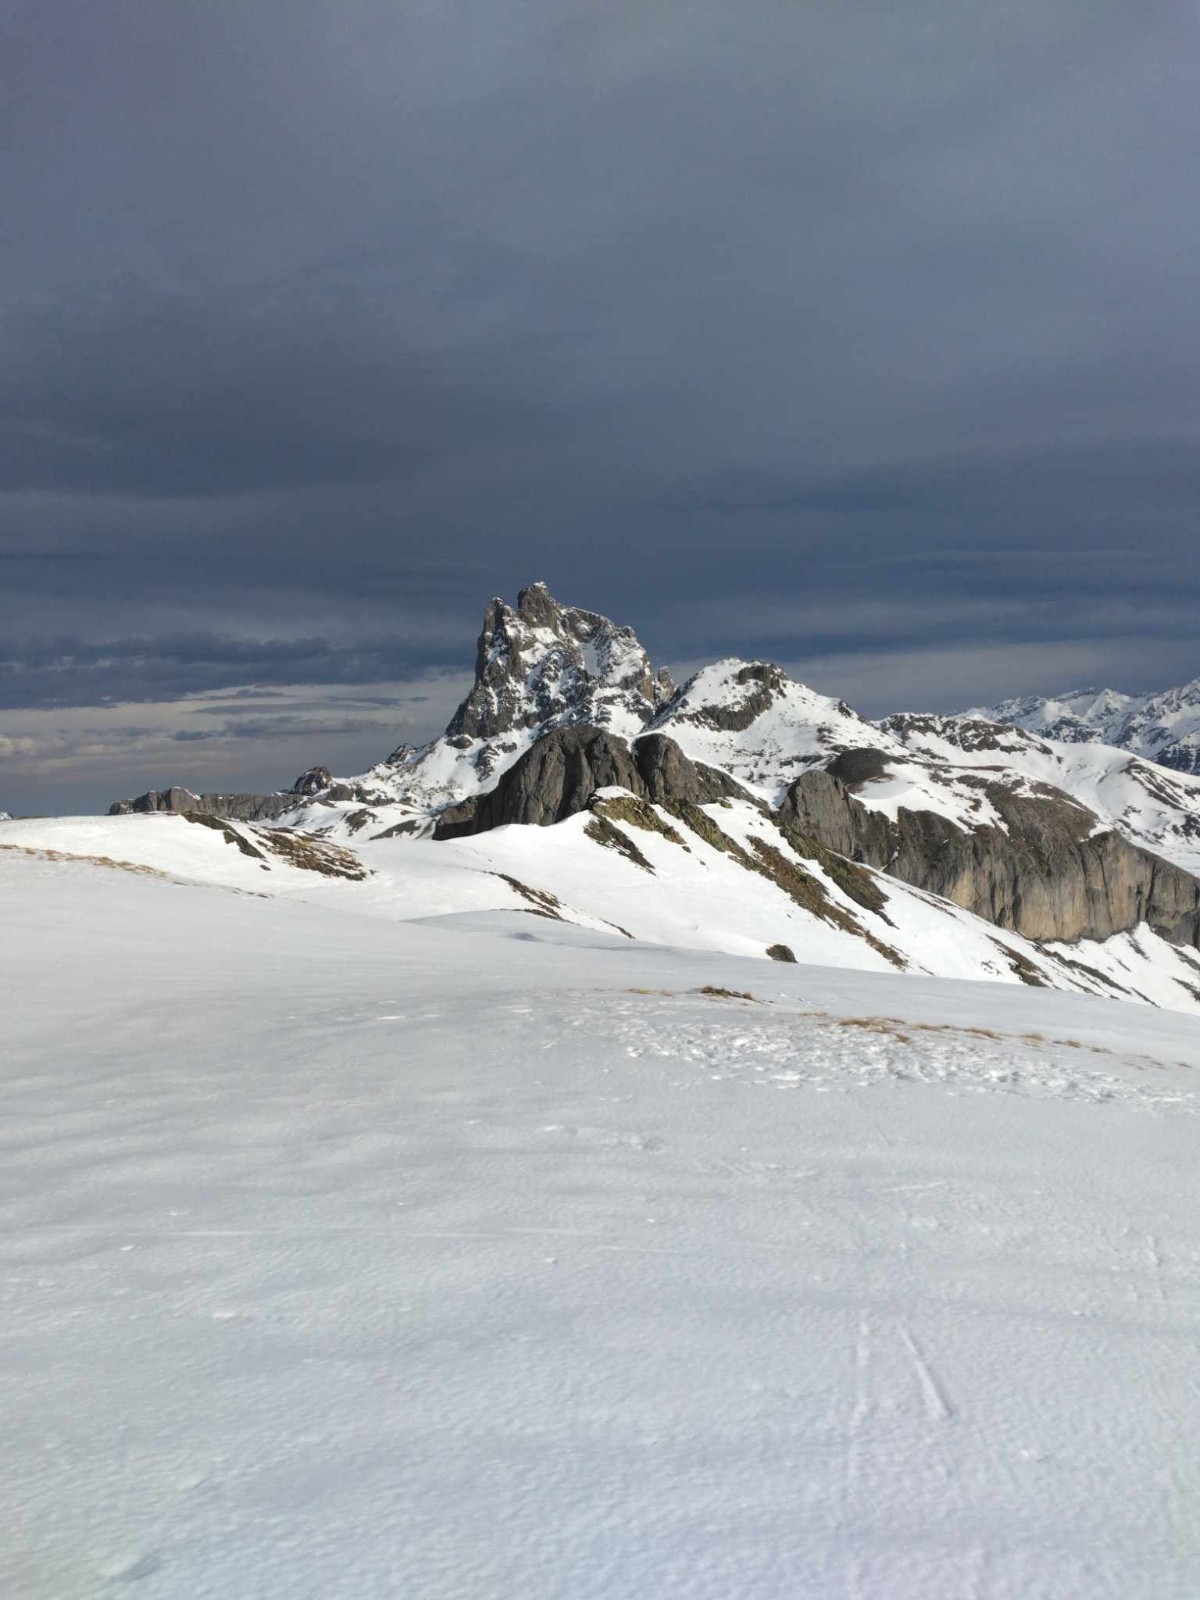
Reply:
x=483, y=1255
x=695, y=897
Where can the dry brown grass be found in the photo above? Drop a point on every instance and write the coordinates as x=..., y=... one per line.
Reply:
x=890, y=1026
x=637, y=813
x=91, y=861
x=544, y=903
x=312, y=855
x=605, y=833
x=901, y=1030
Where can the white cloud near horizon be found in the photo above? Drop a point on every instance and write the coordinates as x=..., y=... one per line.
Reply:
x=248, y=738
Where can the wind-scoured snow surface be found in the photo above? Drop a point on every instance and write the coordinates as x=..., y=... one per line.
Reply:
x=487, y=1256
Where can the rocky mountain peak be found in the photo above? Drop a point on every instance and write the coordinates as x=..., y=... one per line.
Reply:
x=549, y=664
x=1184, y=698
x=728, y=696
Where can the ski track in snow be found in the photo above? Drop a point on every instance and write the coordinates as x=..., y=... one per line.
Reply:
x=363, y=1259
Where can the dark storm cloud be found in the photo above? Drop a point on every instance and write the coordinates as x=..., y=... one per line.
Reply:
x=1115, y=479
x=79, y=672
x=847, y=334
x=166, y=395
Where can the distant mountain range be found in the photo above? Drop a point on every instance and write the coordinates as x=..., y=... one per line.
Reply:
x=1163, y=727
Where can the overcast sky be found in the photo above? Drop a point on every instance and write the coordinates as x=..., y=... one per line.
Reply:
x=860, y=336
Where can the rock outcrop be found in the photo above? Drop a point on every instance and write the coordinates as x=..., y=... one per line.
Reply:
x=232, y=807
x=1042, y=871
x=671, y=778
x=561, y=772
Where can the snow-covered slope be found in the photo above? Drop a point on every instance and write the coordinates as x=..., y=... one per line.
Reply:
x=751, y=719
x=480, y=1255
x=730, y=881
x=1162, y=727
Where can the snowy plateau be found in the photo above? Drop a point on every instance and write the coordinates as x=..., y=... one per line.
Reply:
x=426, y=1183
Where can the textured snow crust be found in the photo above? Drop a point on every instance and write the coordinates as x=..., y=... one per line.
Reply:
x=484, y=1255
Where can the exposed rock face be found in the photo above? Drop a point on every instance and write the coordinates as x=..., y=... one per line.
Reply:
x=820, y=806
x=552, y=780
x=545, y=662
x=967, y=732
x=313, y=781
x=235, y=807
x=559, y=775
x=1044, y=874
x=858, y=766
x=670, y=777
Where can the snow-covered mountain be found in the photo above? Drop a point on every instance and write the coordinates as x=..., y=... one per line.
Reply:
x=538, y=667
x=740, y=812
x=751, y=720
x=1162, y=727
x=543, y=667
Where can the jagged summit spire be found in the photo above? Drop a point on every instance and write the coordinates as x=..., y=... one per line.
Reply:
x=536, y=606
x=548, y=664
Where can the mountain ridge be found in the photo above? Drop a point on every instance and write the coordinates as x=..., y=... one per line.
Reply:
x=1163, y=726
x=741, y=806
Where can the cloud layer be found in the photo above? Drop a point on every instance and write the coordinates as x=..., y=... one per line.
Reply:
x=848, y=335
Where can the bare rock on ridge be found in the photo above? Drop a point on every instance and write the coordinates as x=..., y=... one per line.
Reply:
x=559, y=775
x=232, y=807
x=1044, y=873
